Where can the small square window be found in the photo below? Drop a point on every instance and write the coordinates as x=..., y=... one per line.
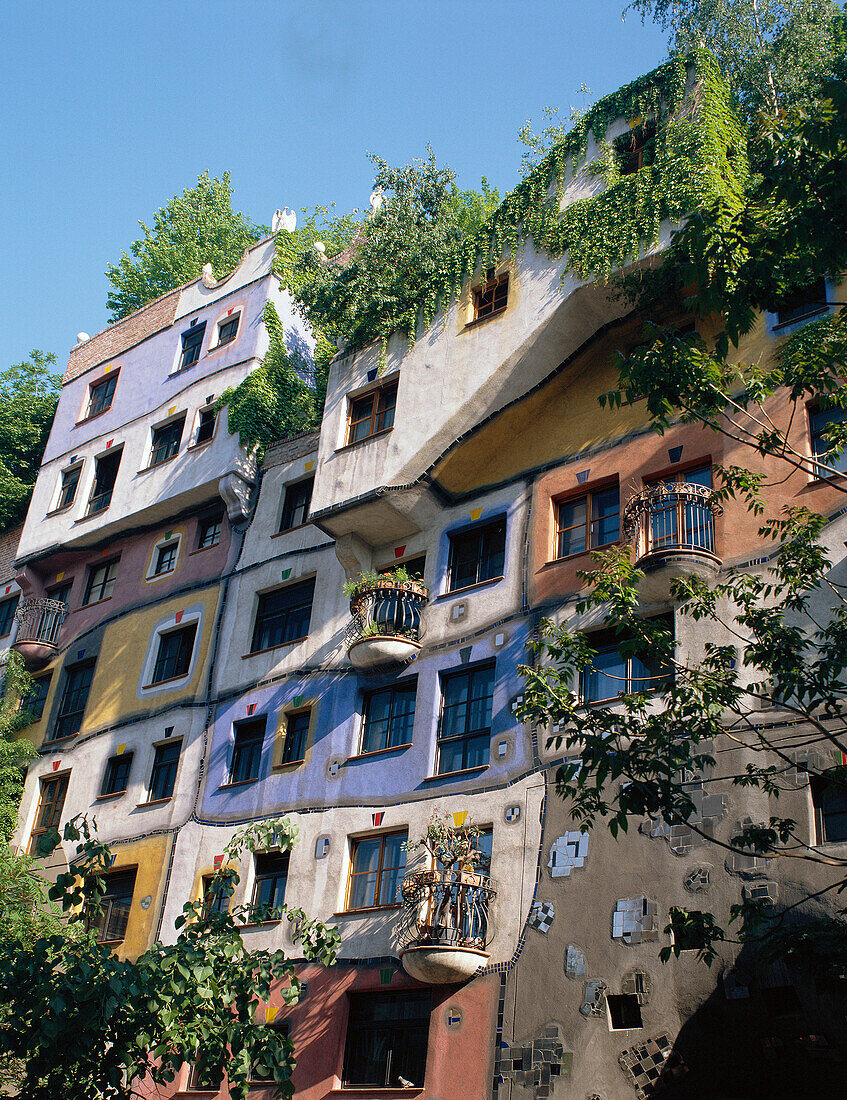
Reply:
x=116, y=779
x=295, y=509
x=636, y=149
x=247, y=750
x=204, y=1080
x=192, y=340
x=259, y=1073
x=166, y=558
x=491, y=298
x=477, y=555
x=101, y=394
x=830, y=804
x=109, y=919
x=7, y=615
x=166, y=441
x=163, y=775
x=624, y=1011
x=376, y=870
x=228, y=329
x=389, y=717
x=586, y=522
x=205, y=425
x=70, y=481
x=372, y=413
x=283, y=616
x=296, y=736
x=387, y=1036
x=51, y=805
x=101, y=582
x=209, y=532
x=105, y=475
x=173, y=659
x=269, y=885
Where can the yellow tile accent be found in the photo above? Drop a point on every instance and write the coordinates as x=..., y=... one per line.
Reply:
x=120, y=749
x=171, y=410
x=459, y=818
x=310, y=465
x=106, y=370
x=270, y=1013
x=475, y=514
x=59, y=577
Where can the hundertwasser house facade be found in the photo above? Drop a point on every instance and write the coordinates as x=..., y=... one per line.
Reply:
x=198, y=667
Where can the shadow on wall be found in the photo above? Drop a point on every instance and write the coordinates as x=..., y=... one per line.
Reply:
x=766, y=1031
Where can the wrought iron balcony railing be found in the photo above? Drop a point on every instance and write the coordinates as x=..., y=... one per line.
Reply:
x=446, y=908
x=386, y=623
x=676, y=517
x=39, y=622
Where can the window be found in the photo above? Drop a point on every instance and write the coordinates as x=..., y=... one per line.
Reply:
x=388, y=717
x=269, y=886
x=166, y=441
x=209, y=532
x=259, y=1072
x=33, y=704
x=283, y=616
x=228, y=329
x=192, y=340
x=372, y=413
x=101, y=582
x=7, y=615
x=413, y=566
x=611, y=674
x=215, y=895
x=61, y=592
x=830, y=803
x=174, y=657
x=74, y=697
x=109, y=919
x=51, y=803
x=208, y=1080
x=295, y=510
x=490, y=298
x=116, y=779
x=586, y=522
x=477, y=555
x=205, y=426
x=105, y=476
x=464, y=732
x=376, y=870
x=386, y=1040
x=296, y=736
x=624, y=1011
x=166, y=558
x=247, y=751
x=101, y=394
x=819, y=421
x=636, y=149
x=163, y=775
x=70, y=480
x=682, y=522
x=802, y=303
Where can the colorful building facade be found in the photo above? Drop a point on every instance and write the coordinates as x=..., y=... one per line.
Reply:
x=199, y=667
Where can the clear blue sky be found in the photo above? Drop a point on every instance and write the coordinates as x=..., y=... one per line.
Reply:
x=111, y=108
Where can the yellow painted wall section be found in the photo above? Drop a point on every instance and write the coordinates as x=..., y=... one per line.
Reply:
x=150, y=857
x=125, y=645
x=564, y=416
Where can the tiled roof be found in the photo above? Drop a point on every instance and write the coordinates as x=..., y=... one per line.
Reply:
x=8, y=550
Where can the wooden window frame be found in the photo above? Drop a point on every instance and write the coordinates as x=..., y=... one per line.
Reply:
x=396, y=1033
x=58, y=732
x=100, y=922
x=608, y=640
x=96, y=389
x=261, y=617
x=189, y=343
x=293, y=500
x=160, y=663
x=47, y=816
x=561, y=503
x=113, y=764
x=404, y=688
x=479, y=531
x=107, y=583
x=10, y=600
x=64, y=485
x=301, y=737
x=158, y=454
x=204, y=526
x=270, y=912
x=160, y=765
x=375, y=415
x=381, y=870
x=467, y=735
x=210, y=421
x=636, y=149
x=491, y=298
x=245, y=740
x=104, y=498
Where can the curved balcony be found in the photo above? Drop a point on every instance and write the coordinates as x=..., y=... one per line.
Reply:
x=386, y=625
x=39, y=622
x=445, y=924
x=673, y=528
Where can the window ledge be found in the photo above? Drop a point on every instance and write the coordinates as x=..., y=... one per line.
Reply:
x=169, y=680
x=271, y=648
x=366, y=1093
x=94, y=416
x=261, y=923
x=154, y=802
x=60, y=740
x=800, y=320
x=580, y=554
x=94, y=603
x=361, y=442
x=469, y=588
x=164, y=462
x=368, y=909
x=111, y=795
x=238, y=783
x=380, y=752
x=451, y=775
x=93, y=515
x=218, y=347
x=58, y=511
x=288, y=530
x=488, y=317
x=202, y=549
x=284, y=766
x=199, y=446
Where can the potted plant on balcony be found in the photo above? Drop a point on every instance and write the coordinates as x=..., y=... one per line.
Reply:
x=386, y=617
x=446, y=919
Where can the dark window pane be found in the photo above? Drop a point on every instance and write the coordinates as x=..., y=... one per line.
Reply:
x=491, y=298
x=296, y=735
x=209, y=532
x=116, y=778
x=110, y=918
x=70, y=480
x=269, y=887
x=605, y=512
x=376, y=870
x=101, y=582
x=33, y=704
x=215, y=895
x=174, y=656
x=105, y=476
x=283, y=616
x=389, y=717
x=802, y=303
x=227, y=329
x=7, y=615
x=163, y=776
x=74, y=697
x=295, y=510
x=102, y=394
x=386, y=1040
x=637, y=148
x=247, y=751
x=166, y=441
x=372, y=413
x=477, y=555
x=206, y=425
x=166, y=558
x=820, y=421
x=832, y=803
x=192, y=340
x=465, y=729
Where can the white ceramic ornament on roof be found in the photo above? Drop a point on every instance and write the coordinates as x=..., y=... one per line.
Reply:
x=207, y=276
x=284, y=219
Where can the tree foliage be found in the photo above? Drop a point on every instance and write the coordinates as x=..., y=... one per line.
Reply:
x=194, y=228
x=28, y=395
x=774, y=53
x=639, y=756
x=86, y=1024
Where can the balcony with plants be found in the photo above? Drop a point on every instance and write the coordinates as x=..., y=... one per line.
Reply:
x=445, y=923
x=386, y=619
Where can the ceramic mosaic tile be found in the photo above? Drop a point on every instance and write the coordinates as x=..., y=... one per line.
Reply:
x=567, y=853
